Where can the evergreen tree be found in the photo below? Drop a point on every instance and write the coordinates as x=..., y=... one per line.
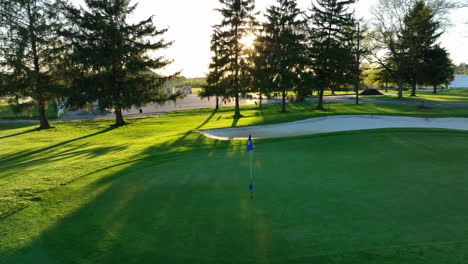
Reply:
x=331, y=31
x=282, y=48
x=439, y=68
x=27, y=52
x=215, y=86
x=237, y=23
x=110, y=61
x=421, y=31
x=383, y=77
x=262, y=73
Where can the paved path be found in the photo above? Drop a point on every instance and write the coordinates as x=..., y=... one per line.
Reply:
x=334, y=124
x=192, y=101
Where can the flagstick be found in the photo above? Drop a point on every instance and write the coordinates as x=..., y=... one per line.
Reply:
x=251, y=177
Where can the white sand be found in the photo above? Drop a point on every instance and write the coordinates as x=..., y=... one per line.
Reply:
x=334, y=124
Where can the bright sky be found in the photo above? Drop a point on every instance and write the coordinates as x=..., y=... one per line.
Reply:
x=190, y=22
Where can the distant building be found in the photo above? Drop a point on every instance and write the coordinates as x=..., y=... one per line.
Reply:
x=185, y=89
x=168, y=87
x=460, y=81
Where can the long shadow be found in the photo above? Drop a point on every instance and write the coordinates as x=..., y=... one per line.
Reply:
x=142, y=214
x=207, y=120
x=235, y=120
x=74, y=152
x=23, y=155
x=142, y=211
x=182, y=140
x=19, y=134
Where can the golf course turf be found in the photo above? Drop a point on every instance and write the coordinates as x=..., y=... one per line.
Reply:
x=157, y=191
x=446, y=95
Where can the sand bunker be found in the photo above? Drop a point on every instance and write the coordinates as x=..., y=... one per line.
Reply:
x=334, y=124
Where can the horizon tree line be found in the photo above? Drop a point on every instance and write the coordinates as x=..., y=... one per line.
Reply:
x=298, y=51
x=294, y=51
x=51, y=50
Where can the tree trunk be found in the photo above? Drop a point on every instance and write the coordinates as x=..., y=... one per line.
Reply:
x=413, y=89
x=357, y=93
x=217, y=102
x=237, y=113
x=119, y=120
x=320, y=101
x=44, y=123
x=400, y=88
x=435, y=89
x=260, y=101
x=386, y=87
x=283, y=102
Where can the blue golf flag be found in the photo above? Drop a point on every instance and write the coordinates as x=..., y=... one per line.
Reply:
x=250, y=144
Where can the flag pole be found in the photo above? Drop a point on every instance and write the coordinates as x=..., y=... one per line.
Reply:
x=251, y=177
x=249, y=149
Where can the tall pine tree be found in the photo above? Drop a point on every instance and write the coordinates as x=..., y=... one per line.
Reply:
x=439, y=68
x=282, y=49
x=234, y=63
x=27, y=52
x=111, y=60
x=331, y=32
x=420, y=33
x=215, y=86
x=261, y=72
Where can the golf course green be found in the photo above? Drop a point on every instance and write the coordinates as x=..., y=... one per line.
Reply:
x=157, y=191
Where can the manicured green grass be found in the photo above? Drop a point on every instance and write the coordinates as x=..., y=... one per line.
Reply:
x=7, y=113
x=447, y=95
x=327, y=92
x=158, y=191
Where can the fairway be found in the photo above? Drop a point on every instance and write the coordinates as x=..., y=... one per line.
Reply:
x=445, y=95
x=254, y=134
x=158, y=191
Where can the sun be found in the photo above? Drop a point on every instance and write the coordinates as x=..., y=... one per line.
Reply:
x=248, y=40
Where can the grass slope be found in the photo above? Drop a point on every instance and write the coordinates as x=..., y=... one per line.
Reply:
x=157, y=191
x=446, y=95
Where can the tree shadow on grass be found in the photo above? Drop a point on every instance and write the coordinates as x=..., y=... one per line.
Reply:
x=75, y=152
x=19, y=134
x=235, y=120
x=154, y=209
x=207, y=120
x=144, y=210
x=26, y=155
x=183, y=140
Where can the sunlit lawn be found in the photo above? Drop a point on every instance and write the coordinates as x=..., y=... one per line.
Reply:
x=158, y=191
x=446, y=95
